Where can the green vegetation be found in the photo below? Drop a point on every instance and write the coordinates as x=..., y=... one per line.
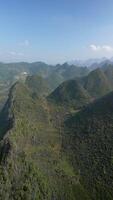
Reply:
x=12, y=71
x=97, y=83
x=89, y=133
x=70, y=94
x=38, y=85
x=32, y=161
x=53, y=75
x=57, y=145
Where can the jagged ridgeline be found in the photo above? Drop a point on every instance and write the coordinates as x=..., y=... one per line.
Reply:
x=10, y=71
x=54, y=75
x=33, y=164
x=46, y=154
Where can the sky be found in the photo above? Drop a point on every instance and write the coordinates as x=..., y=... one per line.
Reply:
x=55, y=31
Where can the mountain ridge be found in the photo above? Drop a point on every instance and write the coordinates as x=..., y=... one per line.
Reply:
x=58, y=145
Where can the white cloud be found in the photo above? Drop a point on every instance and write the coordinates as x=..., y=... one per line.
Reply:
x=108, y=48
x=95, y=48
x=25, y=43
x=103, y=48
x=13, y=53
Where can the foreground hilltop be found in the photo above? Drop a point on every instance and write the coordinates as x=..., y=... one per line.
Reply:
x=33, y=164
x=47, y=153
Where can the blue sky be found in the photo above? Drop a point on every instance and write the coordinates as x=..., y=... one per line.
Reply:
x=55, y=30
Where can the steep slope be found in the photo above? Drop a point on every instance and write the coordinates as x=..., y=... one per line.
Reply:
x=32, y=162
x=96, y=83
x=108, y=70
x=64, y=72
x=54, y=80
x=90, y=146
x=49, y=150
x=70, y=93
x=38, y=85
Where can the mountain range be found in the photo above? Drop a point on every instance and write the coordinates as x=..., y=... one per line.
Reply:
x=90, y=62
x=56, y=134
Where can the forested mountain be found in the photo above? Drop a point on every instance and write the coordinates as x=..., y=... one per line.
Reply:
x=38, y=85
x=56, y=100
x=70, y=93
x=58, y=144
x=108, y=70
x=54, y=74
x=94, y=85
x=90, y=134
x=97, y=83
x=10, y=71
x=33, y=164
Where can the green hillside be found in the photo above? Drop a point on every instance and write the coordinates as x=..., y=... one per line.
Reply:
x=54, y=80
x=10, y=71
x=33, y=165
x=97, y=83
x=109, y=73
x=54, y=74
x=89, y=134
x=70, y=93
x=58, y=145
x=38, y=85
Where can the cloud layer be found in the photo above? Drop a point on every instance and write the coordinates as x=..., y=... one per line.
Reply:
x=105, y=48
x=13, y=53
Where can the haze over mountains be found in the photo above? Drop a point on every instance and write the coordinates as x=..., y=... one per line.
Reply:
x=91, y=62
x=12, y=72
x=56, y=130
